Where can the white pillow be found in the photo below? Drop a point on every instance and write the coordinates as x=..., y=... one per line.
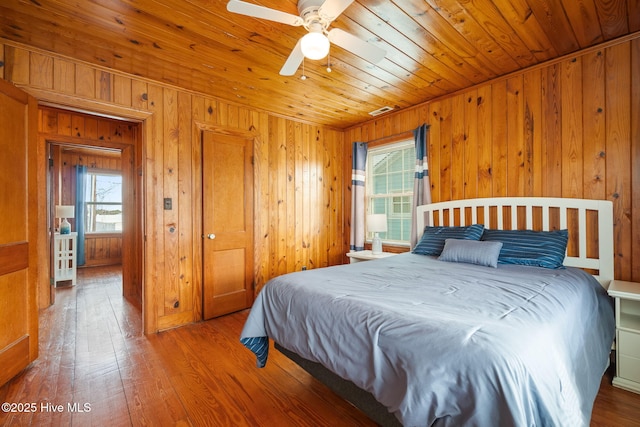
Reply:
x=471, y=251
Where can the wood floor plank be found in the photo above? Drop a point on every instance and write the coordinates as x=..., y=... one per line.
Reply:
x=201, y=392
x=260, y=391
x=280, y=380
x=92, y=351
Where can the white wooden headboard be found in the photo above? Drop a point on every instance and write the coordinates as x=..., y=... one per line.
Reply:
x=521, y=212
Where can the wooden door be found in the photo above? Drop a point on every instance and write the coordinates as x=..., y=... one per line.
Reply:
x=227, y=200
x=18, y=231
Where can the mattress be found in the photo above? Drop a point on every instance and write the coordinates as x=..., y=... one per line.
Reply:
x=441, y=343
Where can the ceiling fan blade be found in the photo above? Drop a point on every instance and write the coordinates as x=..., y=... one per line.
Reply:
x=357, y=46
x=256, y=11
x=293, y=61
x=331, y=9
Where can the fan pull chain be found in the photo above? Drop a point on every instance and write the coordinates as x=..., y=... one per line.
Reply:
x=329, y=61
x=303, y=76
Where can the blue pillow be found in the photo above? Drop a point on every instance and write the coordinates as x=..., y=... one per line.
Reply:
x=527, y=247
x=432, y=241
x=471, y=252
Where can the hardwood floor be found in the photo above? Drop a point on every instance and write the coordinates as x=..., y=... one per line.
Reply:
x=95, y=368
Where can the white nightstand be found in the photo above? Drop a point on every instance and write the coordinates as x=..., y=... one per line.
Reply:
x=627, y=295
x=366, y=256
x=65, y=257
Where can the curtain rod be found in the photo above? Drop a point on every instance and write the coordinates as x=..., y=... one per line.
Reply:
x=384, y=139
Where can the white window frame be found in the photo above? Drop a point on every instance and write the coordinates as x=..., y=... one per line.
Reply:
x=381, y=149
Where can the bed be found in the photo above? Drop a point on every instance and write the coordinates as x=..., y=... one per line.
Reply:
x=460, y=331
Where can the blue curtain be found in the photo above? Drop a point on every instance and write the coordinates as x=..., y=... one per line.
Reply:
x=357, y=196
x=421, y=184
x=81, y=172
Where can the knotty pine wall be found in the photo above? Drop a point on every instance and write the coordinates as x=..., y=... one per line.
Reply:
x=299, y=175
x=570, y=128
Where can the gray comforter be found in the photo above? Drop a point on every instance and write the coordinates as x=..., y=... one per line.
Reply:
x=449, y=344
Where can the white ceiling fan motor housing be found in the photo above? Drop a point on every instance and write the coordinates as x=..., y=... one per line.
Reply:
x=308, y=10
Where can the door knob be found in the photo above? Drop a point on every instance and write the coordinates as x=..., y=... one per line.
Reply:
x=211, y=236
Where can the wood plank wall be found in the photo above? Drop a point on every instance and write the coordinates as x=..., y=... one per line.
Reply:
x=570, y=128
x=299, y=175
x=103, y=248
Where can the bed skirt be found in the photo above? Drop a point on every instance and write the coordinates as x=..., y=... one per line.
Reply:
x=359, y=398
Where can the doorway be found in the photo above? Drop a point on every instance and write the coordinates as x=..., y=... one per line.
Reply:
x=86, y=198
x=92, y=175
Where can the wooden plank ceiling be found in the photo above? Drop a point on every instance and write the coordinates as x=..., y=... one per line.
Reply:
x=433, y=47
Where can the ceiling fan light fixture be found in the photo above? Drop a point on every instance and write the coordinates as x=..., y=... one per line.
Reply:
x=314, y=45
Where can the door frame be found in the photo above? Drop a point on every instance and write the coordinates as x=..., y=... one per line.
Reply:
x=53, y=100
x=198, y=237
x=129, y=244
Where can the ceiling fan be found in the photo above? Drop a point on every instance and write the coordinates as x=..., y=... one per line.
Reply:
x=315, y=16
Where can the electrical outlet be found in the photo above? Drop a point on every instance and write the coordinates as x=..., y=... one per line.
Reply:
x=168, y=204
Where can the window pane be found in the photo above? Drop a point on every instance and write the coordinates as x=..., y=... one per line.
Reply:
x=390, y=173
x=395, y=229
x=104, y=218
x=396, y=182
x=406, y=229
x=379, y=206
x=395, y=162
x=379, y=162
x=380, y=184
x=410, y=157
x=103, y=188
x=103, y=203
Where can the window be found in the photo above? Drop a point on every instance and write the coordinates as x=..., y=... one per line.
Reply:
x=390, y=175
x=103, y=202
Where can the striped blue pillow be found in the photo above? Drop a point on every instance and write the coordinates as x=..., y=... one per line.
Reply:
x=527, y=247
x=432, y=241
